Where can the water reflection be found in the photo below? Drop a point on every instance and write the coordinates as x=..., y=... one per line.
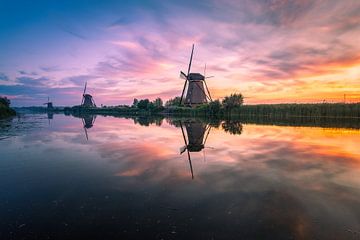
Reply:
x=129, y=181
x=195, y=139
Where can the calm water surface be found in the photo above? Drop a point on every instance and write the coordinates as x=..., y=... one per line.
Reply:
x=116, y=178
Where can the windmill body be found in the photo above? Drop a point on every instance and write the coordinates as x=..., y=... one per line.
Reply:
x=49, y=105
x=87, y=99
x=88, y=122
x=197, y=133
x=196, y=90
x=195, y=85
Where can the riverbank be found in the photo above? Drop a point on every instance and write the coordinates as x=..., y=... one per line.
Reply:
x=6, y=111
x=332, y=110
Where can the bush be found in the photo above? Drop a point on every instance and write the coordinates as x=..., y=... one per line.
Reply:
x=173, y=102
x=214, y=107
x=233, y=101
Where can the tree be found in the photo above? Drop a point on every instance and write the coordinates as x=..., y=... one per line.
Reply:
x=234, y=100
x=158, y=103
x=143, y=104
x=135, y=102
x=5, y=101
x=214, y=107
x=173, y=102
x=232, y=127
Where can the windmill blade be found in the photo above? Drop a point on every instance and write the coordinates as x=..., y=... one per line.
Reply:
x=85, y=88
x=183, y=75
x=207, y=89
x=86, y=134
x=83, y=96
x=190, y=163
x=208, y=131
x=188, y=152
x=182, y=149
x=183, y=91
x=191, y=57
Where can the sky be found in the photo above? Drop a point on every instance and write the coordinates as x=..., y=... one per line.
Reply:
x=271, y=51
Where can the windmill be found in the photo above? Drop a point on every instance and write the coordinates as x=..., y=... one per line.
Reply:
x=87, y=99
x=49, y=105
x=88, y=122
x=197, y=134
x=194, y=82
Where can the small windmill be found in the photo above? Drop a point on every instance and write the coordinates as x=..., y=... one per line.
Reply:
x=87, y=99
x=49, y=105
x=197, y=134
x=194, y=82
x=88, y=122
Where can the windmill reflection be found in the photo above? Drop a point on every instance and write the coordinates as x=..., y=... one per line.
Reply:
x=50, y=116
x=88, y=122
x=195, y=138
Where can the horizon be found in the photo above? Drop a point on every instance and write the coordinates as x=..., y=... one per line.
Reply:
x=269, y=51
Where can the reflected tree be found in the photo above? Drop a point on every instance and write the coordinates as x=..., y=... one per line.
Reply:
x=232, y=127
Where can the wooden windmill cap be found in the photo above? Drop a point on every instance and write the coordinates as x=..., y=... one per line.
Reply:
x=196, y=76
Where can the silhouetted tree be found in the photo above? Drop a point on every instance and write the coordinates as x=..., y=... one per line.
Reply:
x=143, y=104
x=135, y=102
x=234, y=100
x=5, y=101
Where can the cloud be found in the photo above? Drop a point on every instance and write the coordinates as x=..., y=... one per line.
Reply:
x=50, y=68
x=34, y=82
x=266, y=49
x=81, y=79
x=3, y=77
x=22, y=72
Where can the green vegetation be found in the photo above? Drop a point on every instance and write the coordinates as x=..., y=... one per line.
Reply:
x=139, y=107
x=5, y=110
x=230, y=107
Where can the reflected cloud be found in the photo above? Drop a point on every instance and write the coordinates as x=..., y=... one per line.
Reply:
x=257, y=180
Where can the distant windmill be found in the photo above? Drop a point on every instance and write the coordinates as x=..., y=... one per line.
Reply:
x=88, y=122
x=87, y=99
x=197, y=134
x=195, y=86
x=49, y=105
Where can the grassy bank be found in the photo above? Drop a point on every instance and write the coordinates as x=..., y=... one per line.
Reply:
x=326, y=110
x=332, y=110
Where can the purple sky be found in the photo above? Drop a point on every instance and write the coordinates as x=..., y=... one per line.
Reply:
x=271, y=51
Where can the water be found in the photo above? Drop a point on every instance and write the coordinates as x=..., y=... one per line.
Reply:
x=114, y=178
